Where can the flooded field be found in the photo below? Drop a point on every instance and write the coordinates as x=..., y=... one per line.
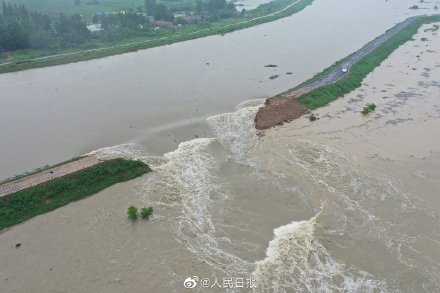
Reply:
x=348, y=203
x=160, y=97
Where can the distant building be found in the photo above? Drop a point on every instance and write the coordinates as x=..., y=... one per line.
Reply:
x=95, y=27
x=163, y=24
x=192, y=18
x=179, y=14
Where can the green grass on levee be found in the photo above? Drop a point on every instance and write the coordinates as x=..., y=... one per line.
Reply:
x=23, y=205
x=326, y=94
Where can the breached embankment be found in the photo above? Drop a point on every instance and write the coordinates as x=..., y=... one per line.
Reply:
x=277, y=111
x=338, y=80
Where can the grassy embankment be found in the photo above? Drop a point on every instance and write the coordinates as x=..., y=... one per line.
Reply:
x=25, y=204
x=27, y=59
x=326, y=94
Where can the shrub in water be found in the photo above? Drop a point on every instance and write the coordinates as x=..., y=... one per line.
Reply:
x=132, y=213
x=368, y=108
x=146, y=212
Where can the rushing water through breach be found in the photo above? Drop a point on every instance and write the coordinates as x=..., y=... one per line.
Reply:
x=159, y=97
x=347, y=203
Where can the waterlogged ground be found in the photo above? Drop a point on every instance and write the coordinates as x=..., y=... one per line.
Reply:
x=348, y=203
x=160, y=97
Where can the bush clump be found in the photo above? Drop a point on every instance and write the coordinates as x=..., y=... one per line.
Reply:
x=132, y=213
x=146, y=212
x=368, y=108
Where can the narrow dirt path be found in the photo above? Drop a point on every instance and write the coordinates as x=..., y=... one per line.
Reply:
x=47, y=175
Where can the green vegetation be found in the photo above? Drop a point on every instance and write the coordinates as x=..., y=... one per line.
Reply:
x=23, y=29
x=358, y=71
x=90, y=7
x=37, y=170
x=368, y=108
x=130, y=34
x=23, y=205
x=146, y=212
x=132, y=213
x=53, y=7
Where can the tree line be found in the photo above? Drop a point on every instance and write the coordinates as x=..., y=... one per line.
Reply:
x=211, y=9
x=24, y=29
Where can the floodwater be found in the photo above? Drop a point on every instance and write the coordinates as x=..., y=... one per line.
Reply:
x=161, y=97
x=348, y=203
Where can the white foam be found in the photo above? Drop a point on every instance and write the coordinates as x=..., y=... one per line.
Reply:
x=126, y=151
x=250, y=103
x=296, y=262
x=186, y=181
x=236, y=130
x=129, y=151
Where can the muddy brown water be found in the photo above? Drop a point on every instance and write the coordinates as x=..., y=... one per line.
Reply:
x=346, y=204
x=161, y=97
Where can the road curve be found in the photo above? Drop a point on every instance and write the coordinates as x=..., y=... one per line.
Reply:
x=275, y=113
x=338, y=73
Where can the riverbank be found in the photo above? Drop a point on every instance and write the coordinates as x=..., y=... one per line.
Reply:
x=264, y=13
x=41, y=193
x=152, y=113
x=216, y=214
x=345, y=75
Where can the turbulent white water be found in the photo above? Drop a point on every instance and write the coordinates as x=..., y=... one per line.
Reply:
x=296, y=262
x=352, y=212
x=348, y=203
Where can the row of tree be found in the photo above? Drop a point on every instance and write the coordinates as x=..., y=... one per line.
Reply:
x=218, y=8
x=23, y=29
x=158, y=11
x=118, y=26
